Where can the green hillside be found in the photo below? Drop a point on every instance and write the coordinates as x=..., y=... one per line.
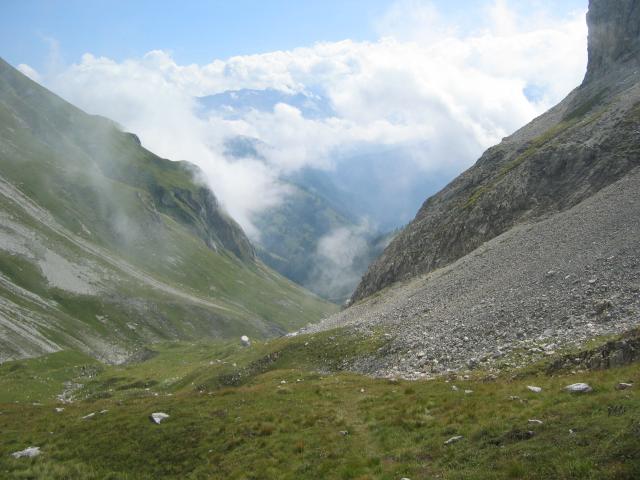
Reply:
x=105, y=247
x=282, y=409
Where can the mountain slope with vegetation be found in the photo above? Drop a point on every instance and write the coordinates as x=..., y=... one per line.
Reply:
x=274, y=411
x=106, y=247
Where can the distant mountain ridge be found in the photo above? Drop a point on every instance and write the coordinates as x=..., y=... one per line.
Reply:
x=233, y=103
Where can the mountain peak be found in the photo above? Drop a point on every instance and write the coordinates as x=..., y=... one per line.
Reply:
x=614, y=36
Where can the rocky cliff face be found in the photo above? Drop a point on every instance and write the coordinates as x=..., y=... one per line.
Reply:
x=614, y=36
x=587, y=142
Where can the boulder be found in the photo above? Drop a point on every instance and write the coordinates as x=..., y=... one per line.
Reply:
x=623, y=386
x=158, y=417
x=455, y=439
x=578, y=388
x=27, y=452
x=534, y=389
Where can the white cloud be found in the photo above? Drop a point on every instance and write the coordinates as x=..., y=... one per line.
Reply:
x=340, y=258
x=29, y=72
x=441, y=95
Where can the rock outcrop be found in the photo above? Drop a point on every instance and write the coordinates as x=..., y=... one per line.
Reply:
x=614, y=36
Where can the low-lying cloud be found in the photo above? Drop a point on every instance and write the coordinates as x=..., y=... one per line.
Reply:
x=441, y=95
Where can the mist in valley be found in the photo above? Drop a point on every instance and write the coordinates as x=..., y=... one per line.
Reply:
x=383, y=124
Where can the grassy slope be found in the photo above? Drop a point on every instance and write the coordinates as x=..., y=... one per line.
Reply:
x=102, y=187
x=225, y=425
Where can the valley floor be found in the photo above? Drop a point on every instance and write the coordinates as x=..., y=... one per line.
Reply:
x=274, y=411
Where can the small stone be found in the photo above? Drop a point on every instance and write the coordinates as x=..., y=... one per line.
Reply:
x=59, y=409
x=27, y=452
x=592, y=281
x=578, y=388
x=158, y=417
x=454, y=388
x=623, y=386
x=534, y=389
x=455, y=439
x=244, y=340
x=362, y=390
x=91, y=415
x=283, y=382
x=344, y=433
x=535, y=421
x=468, y=392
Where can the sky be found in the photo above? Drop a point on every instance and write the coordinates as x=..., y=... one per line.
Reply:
x=203, y=30
x=436, y=81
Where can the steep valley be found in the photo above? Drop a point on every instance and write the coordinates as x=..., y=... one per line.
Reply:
x=497, y=336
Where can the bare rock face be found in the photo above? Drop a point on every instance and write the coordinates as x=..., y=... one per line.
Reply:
x=563, y=157
x=614, y=36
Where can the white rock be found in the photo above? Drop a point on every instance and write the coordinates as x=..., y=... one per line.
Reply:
x=455, y=439
x=468, y=392
x=91, y=415
x=158, y=417
x=244, y=340
x=578, y=388
x=535, y=421
x=59, y=409
x=362, y=390
x=623, y=386
x=454, y=388
x=534, y=389
x=27, y=452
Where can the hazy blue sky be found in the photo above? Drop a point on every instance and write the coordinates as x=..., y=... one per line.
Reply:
x=199, y=31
